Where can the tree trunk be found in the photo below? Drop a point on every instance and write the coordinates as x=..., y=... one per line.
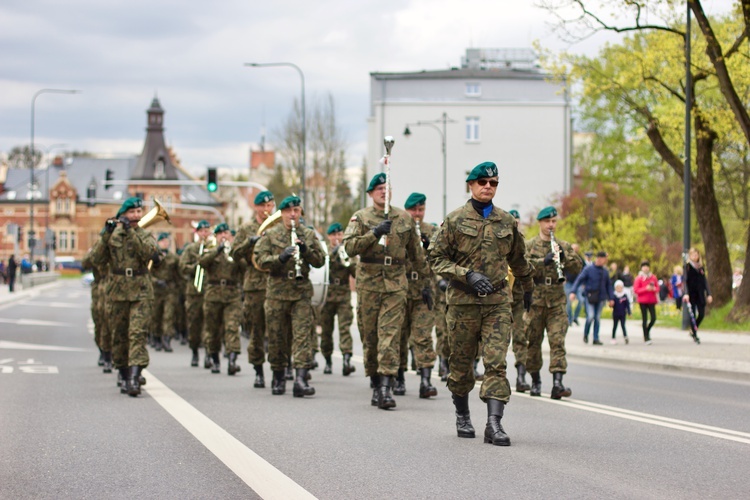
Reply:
x=741, y=310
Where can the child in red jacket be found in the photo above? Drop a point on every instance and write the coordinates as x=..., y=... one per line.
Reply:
x=646, y=288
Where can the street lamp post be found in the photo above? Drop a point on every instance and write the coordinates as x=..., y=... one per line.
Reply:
x=303, y=167
x=32, y=239
x=591, y=197
x=443, y=135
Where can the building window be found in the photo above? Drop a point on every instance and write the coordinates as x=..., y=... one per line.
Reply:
x=472, y=129
x=473, y=89
x=72, y=240
x=62, y=241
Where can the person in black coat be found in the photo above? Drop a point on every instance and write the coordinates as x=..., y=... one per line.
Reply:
x=697, y=286
x=12, y=266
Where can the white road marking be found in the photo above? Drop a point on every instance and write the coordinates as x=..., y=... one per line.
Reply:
x=7, y=344
x=33, y=322
x=61, y=305
x=266, y=480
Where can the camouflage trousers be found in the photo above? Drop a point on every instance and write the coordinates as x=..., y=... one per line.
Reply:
x=343, y=310
x=518, y=331
x=441, y=330
x=102, y=324
x=282, y=318
x=180, y=316
x=475, y=327
x=416, y=332
x=379, y=317
x=130, y=322
x=254, y=317
x=163, y=322
x=194, y=310
x=221, y=320
x=555, y=320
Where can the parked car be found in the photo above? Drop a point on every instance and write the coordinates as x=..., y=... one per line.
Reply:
x=87, y=279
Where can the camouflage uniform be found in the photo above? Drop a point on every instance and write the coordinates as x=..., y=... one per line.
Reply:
x=97, y=290
x=221, y=302
x=288, y=300
x=518, y=330
x=467, y=242
x=338, y=303
x=548, y=306
x=441, y=328
x=193, y=298
x=165, y=279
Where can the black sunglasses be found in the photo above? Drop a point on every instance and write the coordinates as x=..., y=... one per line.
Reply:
x=483, y=182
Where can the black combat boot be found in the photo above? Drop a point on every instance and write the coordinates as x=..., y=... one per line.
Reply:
x=260, y=380
x=385, y=400
x=413, y=359
x=399, y=389
x=375, y=386
x=122, y=379
x=289, y=374
x=194, y=361
x=494, y=432
x=441, y=368
x=232, y=368
x=101, y=358
x=314, y=363
x=301, y=388
x=165, y=342
x=156, y=342
x=207, y=362
x=215, y=362
x=329, y=365
x=446, y=370
x=183, y=338
x=134, y=381
x=536, y=384
x=278, y=384
x=521, y=385
x=107, y=362
x=463, y=417
x=477, y=375
x=348, y=366
x=558, y=389
x=426, y=389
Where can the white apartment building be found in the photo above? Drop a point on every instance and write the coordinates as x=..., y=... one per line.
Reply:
x=499, y=107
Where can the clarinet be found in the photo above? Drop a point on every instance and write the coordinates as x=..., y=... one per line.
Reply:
x=297, y=263
x=556, y=257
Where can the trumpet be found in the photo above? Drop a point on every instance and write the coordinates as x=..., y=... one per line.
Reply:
x=556, y=257
x=297, y=258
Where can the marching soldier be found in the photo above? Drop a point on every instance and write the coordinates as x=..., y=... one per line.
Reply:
x=548, y=309
x=419, y=319
x=221, y=300
x=254, y=284
x=287, y=250
x=164, y=278
x=179, y=311
x=98, y=312
x=518, y=329
x=338, y=301
x=473, y=249
x=441, y=328
x=189, y=268
x=382, y=284
x=127, y=248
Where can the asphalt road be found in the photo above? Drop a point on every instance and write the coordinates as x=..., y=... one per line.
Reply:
x=66, y=432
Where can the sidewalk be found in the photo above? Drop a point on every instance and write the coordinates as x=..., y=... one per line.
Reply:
x=719, y=353
x=20, y=293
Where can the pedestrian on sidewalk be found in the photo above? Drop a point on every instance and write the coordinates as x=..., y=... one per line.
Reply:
x=620, y=310
x=12, y=268
x=677, y=286
x=595, y=279
x=627, y=282
x=646, y=288
x=697, y=286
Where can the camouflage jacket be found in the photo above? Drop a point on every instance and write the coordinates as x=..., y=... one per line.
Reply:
x=243, y=251
x=403, y=245
x=418, y=281
x=222, y=276
x=547, y=290
x=282, y=284
x=467, y=242
x=127, y=253
x=338, y=278
x=188, y=262
x=100, y=274
x=167, y=271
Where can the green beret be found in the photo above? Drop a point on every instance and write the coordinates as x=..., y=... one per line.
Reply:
x=415, y=199
x=263, y=197
x=376, y=181
x=486, y=169
x=203, y=224
x=546, y=213
x=290, y=201
x=162, y=236
x=515, y=213
x=234, y=233
x=133, y=202
x=221, y=228
x=335, y=228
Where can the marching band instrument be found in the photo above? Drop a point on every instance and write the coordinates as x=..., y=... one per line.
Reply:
x=319, y=277
x=297, y=257
x=556, y=257
x=343, y=256
x=156, y=214
x=388, y=143
x=198, y=280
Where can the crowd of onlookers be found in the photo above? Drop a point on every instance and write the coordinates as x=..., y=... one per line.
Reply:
x=11, y=267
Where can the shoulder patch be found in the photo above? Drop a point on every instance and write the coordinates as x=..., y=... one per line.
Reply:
x=353, y=219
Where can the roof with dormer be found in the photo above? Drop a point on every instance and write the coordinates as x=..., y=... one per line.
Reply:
x=155, y=162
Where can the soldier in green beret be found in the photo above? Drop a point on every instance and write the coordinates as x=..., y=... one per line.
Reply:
x=289, y=293
x=190, y=269
x=338, y=301
x=551, y=262
x=382, y=284
x=165, y=279
x=473, y=249
x=127, y=248
x=254, y=284
x=99, y=291
x=419, y=319
x=518, y=330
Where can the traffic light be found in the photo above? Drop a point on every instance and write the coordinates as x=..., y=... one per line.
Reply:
x=109, y=176
x=211, y=182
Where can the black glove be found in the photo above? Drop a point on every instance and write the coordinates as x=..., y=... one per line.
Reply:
x=527, y=301
x=110, y=225
x=382, y=228
x=287, y=254
x=156, y=258
x=427, y=297
x=302, y=247
x=425, y=241
x=443, y=285
x=254, y=240
x=161, y=283
x=562, y=256
x=549, y=259
x=221, y=247
x=125, y=222
x=479, y=282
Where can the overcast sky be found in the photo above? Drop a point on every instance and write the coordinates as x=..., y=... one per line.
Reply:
x=121, y=53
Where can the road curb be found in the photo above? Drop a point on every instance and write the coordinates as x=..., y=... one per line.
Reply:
x=9, y=298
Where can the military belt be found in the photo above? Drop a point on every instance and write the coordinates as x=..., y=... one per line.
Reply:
x=468, y=289
x=130, y=272
x=223, y=282
x=414, y=276
x=547, y=280
x=385, y=261
x=290, y=275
